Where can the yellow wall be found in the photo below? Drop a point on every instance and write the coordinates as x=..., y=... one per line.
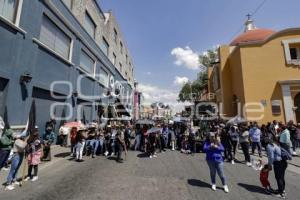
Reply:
x=263, y=66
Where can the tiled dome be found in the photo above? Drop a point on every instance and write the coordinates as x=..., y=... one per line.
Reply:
x=252, y=36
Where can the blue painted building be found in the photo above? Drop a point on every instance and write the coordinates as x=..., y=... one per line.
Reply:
x=46, y=54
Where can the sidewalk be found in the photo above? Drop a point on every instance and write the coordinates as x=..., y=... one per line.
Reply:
x=294, y=165
x=58, y=153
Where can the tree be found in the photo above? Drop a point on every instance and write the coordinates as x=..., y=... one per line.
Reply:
x=192, y=90
x=185, y=93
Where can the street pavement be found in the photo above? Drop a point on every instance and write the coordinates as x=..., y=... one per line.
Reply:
x=171, y=176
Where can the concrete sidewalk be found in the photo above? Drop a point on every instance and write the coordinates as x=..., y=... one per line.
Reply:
x=58, y=153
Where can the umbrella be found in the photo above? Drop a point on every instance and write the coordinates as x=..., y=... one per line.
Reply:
x=74, y=125
x=145, y=122
x=154, y=130
x=236, y=120
x=31, y=118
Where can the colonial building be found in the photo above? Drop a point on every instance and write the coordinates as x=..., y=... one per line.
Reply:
x=64, y=52
x=257, y=76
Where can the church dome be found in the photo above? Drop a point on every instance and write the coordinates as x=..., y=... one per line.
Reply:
x=252, y=36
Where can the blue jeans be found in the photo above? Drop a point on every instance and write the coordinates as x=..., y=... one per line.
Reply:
x=94, y=144
x=214, y=168
x=137, y=142
x=258, y=145
x=16, y=162
x=4, y=154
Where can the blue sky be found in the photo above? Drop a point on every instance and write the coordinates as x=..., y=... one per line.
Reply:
x=153, y=28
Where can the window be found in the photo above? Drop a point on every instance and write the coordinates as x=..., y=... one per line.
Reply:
x=114, y=59
x=104, y=77
x=105, y=46
x=54, y=38
x=126, y=74
x=294, y=53
x=121, y=47
x=126, y=58
x=121, y=67
x=89, y=25
x=8, y=9
x=68, y=3
x=86, y=62
x=115, y=36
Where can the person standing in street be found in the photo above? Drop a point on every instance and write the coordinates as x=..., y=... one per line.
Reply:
x=293, y=133
x=244, y=142
x=120, y=145
x=227, y=144
x=213, y=149
x=276, y=161
x=285, y=139
x=80, y=142
x=16, y=161
x=255, y=136
x=34, y=150
x=234, y=136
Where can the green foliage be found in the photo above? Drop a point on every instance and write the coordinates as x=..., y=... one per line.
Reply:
x=192, y=90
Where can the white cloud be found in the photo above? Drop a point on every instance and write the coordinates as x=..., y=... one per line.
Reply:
x=153, y=94
x=148, y=73
x=181, y=80
x=186, y=57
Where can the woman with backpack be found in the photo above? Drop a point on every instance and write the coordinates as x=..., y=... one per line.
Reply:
x=277, y=159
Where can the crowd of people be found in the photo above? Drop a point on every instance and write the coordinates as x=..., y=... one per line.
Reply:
x=219, y=140
x=279, y=140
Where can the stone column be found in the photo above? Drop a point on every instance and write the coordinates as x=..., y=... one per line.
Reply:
x=287, y=102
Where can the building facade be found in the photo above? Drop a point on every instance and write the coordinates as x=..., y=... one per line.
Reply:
x=66, y=53
x=258, y=75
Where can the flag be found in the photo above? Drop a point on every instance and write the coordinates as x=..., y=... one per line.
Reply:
x=31, y=118
x=5, y=119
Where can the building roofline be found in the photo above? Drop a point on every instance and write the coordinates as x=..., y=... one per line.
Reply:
x=271, y=37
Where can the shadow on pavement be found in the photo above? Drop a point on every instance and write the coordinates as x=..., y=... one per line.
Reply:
x=195, y=182
x=252, y=188
x=62, y=155
x=143, y=155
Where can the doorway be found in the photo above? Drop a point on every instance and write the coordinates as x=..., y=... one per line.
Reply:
x=297, y=104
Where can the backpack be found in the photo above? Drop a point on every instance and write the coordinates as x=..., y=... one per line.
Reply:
x=285, y=155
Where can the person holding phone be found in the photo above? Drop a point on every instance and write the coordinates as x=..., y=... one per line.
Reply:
x=213, y=149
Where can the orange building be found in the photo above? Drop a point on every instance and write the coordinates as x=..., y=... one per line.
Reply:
x=258, y=75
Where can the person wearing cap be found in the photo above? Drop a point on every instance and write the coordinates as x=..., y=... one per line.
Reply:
x=213, y=149
x=16, y=161
x=6, y=142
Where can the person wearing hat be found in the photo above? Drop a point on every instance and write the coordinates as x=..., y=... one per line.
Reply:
x=6, y=142
x=213, y=149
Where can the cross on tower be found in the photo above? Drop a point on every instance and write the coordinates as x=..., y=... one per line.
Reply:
x=249, y=16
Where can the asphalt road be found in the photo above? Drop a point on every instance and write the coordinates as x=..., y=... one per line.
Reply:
x=171, y=176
